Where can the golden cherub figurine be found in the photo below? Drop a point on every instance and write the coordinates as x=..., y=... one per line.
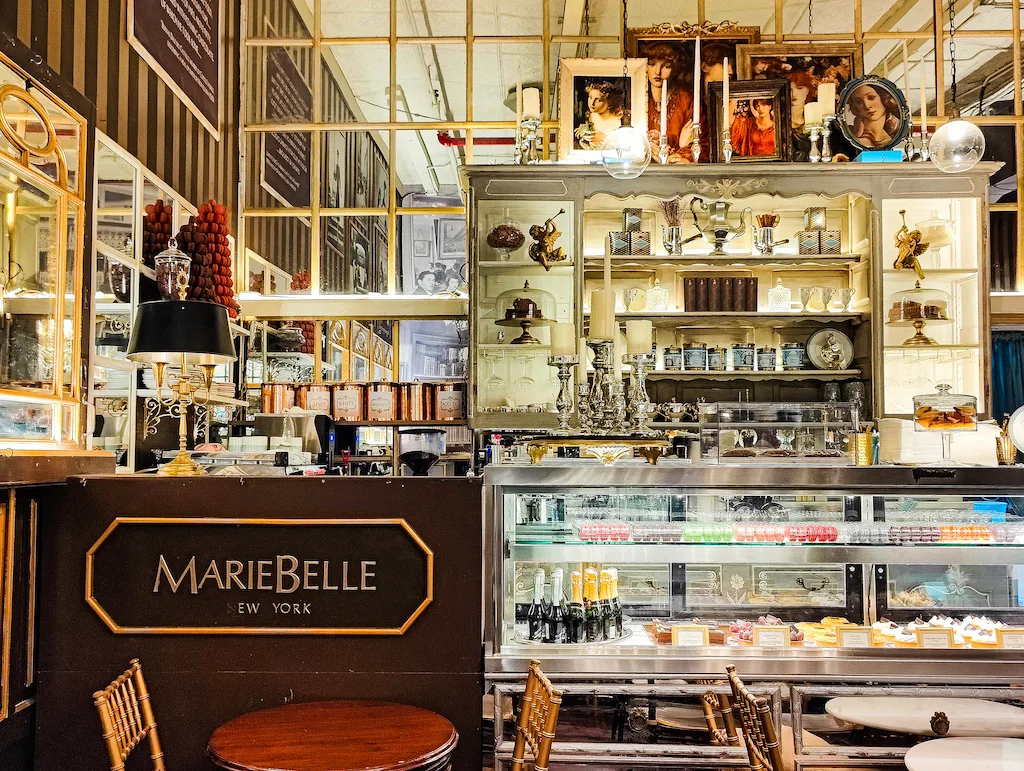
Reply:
x=544, y=251
x=910, y=247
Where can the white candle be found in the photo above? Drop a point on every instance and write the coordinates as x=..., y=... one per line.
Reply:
x=827, y=98
x=519, y=99
x=531, y=104
x=812, y=114
x=924, y=104
x=664, y=107
x=696, y=83
x=620, y=351
x=726, y=124
x=563, y=339
x=602, y=314
x=906, y=71
x=639, y=336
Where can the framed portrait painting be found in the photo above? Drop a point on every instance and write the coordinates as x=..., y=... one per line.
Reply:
x=358, y=258
x=595, y=97
x=805, y=66
x=670, y=51
x=872, y=113
x=758, y=120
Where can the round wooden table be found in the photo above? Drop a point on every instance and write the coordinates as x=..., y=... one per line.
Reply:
x=335, y=736
x=958, y=754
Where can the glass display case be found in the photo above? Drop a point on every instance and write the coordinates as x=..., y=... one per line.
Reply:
x=741, y=551
x=42, y=162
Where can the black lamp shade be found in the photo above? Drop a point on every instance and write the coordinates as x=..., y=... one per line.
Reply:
x=164, y=330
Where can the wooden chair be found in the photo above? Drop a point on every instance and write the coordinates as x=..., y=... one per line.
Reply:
x=715, y=704
x=759, y=732
x=127, y=718
x=538, y=716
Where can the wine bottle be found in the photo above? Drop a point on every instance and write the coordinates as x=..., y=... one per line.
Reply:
x=577, y=618
x=555, y=614
x=605, y=607
x=616, y=605
x=535, y=614
x=595, y=632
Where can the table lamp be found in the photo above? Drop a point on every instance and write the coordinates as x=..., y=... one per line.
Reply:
x=189, y=334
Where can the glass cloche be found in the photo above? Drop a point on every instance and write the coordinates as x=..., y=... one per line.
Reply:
x=506, y=236
x=172, y=272
x=526, y=307
x=917, y=307
x=936, y=232
x=945, y=411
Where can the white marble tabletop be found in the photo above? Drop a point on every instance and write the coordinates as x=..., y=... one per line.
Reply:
x=958, y=754
x=909, y=714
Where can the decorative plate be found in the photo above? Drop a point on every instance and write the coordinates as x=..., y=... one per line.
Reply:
x=830, y=349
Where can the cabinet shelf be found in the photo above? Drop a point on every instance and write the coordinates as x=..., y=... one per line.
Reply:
x=789, y=374
x=523, y=266
x=649, y=262
x=716, y=319
x=785, y=554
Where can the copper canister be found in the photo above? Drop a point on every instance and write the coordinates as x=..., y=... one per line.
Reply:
x=417, y=401
x=314, y=397
x=451, y=400
x=277, y=397
x=382, y=401
x=348, y=401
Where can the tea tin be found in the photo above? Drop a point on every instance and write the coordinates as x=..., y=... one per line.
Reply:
x=793, y=355
x=695, y=356
x=716, y=359
x=766, y=359
x=743, y=357
x=673, y=358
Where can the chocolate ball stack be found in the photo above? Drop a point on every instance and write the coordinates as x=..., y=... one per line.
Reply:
x=156, y=230
x=301, y=283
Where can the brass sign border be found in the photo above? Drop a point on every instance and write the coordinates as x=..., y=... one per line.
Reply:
x=246, y=630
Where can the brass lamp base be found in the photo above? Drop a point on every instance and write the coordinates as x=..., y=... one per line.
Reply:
x=181, y=466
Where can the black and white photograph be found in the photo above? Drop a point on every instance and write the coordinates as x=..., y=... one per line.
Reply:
x=358, y=258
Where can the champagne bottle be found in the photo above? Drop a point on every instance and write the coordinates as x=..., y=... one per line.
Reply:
x=595, y=632
x=577, y=618
x=605, y=607
x=616, y=605
x=555, y=614
x=535, y=614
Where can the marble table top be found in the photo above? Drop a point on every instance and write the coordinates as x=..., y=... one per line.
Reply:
x=909, y=714
x=949, y=754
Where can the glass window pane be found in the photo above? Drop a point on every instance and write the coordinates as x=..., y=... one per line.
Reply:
x=356, y=18
x=431, y=82
x=367, y=70
x=277, y=169
x=279, y=247
x=1003, y=245
x=496, y=71
x=820, y=17
x=432, y=249
x=493, y=17
x=984, y=73
x=276, y=19
x=898, y=17
x=115, y=199
x=1001, y=146
x=279, y=84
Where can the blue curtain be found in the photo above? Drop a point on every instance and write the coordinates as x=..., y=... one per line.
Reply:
x=1007, y=373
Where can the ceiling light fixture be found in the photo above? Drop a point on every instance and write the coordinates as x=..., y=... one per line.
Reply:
x=626, y=152
x=958, y=144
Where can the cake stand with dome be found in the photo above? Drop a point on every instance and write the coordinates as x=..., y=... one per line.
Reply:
x=917, y=307
x=525, y=308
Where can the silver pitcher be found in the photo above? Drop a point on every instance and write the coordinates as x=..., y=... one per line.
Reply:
x=764, y=240
x=716, y=228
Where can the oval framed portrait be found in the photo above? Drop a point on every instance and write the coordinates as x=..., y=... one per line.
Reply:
x=873, y=113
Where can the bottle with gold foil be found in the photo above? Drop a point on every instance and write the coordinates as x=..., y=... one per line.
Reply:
x=616, y=605
x=604, y=603
x=595, y=631
x=577, y=617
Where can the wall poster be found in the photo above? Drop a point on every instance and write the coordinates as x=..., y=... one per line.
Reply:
x=181, y=41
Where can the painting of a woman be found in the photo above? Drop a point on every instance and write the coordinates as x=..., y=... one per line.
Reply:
x=753, y=128
x=876, y=116
x=665, y=67
x=605, y=108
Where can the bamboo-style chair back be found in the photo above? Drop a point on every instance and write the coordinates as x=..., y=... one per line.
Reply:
x=759, y=732
x=715, y=705
x=127, y=718
x=538, y=716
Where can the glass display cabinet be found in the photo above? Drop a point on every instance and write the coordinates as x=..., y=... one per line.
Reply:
x=800, y=266
x=42, y=178
x=747, y=553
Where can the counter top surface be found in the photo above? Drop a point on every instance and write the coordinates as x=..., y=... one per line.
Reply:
x=51, y=467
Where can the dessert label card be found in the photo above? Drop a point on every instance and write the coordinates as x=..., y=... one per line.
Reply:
x=854, y=637
x=935, y=638
x=1010, y=637
x=771, y=636
x=690, y=635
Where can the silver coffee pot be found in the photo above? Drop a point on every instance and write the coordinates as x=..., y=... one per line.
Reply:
x=716, y=228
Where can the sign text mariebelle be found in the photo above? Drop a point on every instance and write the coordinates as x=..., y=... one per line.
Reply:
x=259, y=576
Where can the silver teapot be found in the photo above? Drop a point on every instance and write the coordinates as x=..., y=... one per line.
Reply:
x=716, y=228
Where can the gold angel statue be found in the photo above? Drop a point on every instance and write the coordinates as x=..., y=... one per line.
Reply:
x=544, y=250
x=910, y=247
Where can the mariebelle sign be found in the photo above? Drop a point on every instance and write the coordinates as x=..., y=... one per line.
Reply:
x=259, y=576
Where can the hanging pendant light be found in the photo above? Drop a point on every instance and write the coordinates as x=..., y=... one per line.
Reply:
x=957, y=145
x=626, y=152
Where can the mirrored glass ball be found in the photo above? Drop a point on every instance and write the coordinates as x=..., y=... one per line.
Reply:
x=957, y=146
x=626, y=152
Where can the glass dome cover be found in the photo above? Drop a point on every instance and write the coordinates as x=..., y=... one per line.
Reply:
x=936, y=231
x=917, y=307
x=172, y=272
x=526, y=307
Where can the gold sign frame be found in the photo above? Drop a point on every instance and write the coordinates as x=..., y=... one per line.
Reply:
x=245, y=630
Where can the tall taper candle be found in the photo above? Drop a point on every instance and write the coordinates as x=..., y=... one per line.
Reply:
x=827, y=98
x=519, y=99
x=531, y=104
x=664, y=107
x=924, y=103
x=602, y=314
x=906, y=72
x=726, y=124
x=696, y=83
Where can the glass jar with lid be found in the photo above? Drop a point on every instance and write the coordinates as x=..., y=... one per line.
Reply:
x=936, y=232
x=506, y=236
x=525, y=307
x=945, y=411
x=917, y=307
x=172, y=272
x=657, y=297
x=780, y=298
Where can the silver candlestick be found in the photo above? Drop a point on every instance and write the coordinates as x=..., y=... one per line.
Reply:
x=925, y=152
x=815, y=132
x=528, y=149
x=695, y=143
x=564, y=401
x=826, y=133
x=639, y=402
x=663, y=150
x=583, y=407
x=605, y=417
x=727, y=146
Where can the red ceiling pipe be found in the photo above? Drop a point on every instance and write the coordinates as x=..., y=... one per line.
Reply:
x=447, y=140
